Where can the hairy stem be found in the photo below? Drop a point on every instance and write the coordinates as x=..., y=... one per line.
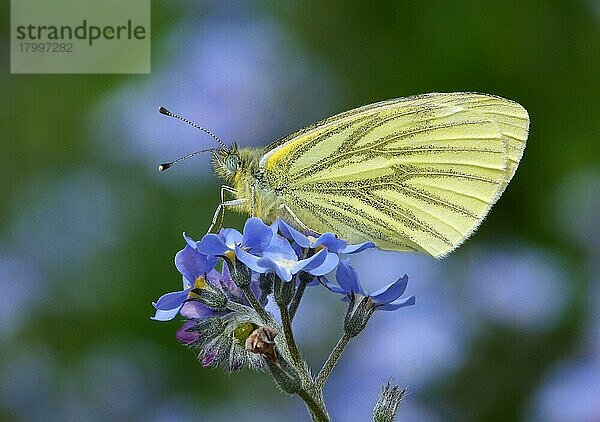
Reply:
x=298, y=296
x=304, y=280
x=289, y=336
x=331, y=361
x=316, y=406
x=260, y=310
x=283, y=292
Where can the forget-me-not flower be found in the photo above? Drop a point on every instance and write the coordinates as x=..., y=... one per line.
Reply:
x=328, y=241
x=386, y=299
x=193, y=267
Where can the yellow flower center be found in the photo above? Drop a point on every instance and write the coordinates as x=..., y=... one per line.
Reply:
x=230, y=255
x=200, y=283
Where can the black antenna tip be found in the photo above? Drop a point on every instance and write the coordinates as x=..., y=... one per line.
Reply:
x=164, y=111
x=164, y=166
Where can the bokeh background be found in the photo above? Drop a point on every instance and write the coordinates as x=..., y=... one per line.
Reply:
x=506, y=328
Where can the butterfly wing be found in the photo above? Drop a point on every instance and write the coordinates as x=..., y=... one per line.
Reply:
x=411, y=174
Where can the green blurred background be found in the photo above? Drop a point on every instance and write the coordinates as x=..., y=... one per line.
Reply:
x=507, y=328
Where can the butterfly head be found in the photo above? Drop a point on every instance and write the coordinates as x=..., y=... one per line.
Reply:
x=227, y=162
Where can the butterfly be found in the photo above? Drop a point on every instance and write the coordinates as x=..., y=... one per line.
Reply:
x=415, y=174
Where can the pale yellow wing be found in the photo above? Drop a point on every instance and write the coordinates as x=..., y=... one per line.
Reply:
x=411, y=174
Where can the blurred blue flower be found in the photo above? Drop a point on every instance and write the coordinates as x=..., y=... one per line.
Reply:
x=385, y=299
x=568, y=393
x=193, y=266
x=518, y=285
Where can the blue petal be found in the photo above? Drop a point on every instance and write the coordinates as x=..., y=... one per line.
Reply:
x=189, y=240
x=193, y=264
x=282, y=272
x=257, y=235
x=185, y=283
x=161, y=315
x=332, y=243
x=250, y=260
x=316, y=260
x=330, y=262
x=213, y=278
x=350, y=249
x=292, y=234
x=333, y=287
x=390, y=293
x=400, y=303
x=275, y=225
x=212, y=244
x=347, y=278
x=171, y=300
x=279, y=248
x=231, y=237
x=299, y=250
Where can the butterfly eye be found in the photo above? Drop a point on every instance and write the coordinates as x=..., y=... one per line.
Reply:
x=232, y=163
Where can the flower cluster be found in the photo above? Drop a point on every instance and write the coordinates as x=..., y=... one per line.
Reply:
x=227, y=279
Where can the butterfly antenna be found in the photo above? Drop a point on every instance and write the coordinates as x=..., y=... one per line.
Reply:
x=166, y=112
x=166, y=166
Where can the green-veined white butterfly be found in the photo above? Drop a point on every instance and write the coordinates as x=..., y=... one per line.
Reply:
x=411, y=174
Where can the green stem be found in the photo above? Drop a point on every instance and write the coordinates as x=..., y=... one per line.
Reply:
x=304, y=280
x=331, y=361
x=298, y=296
x=260, y=310
x=316, y=406
x=286, y=322
x=283, y=292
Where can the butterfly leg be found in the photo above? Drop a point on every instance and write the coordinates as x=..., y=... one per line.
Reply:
x=224, y=204
x=229, y=189
x=252, y=203
x=221, y=208
x=291, y=213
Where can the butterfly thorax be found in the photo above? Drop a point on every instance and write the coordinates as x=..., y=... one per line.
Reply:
x=240, y=169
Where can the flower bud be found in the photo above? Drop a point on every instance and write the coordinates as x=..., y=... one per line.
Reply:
x=387, y=403
x=214, y=299
x=359, y=311
x=209, y=327
x=240, y=273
